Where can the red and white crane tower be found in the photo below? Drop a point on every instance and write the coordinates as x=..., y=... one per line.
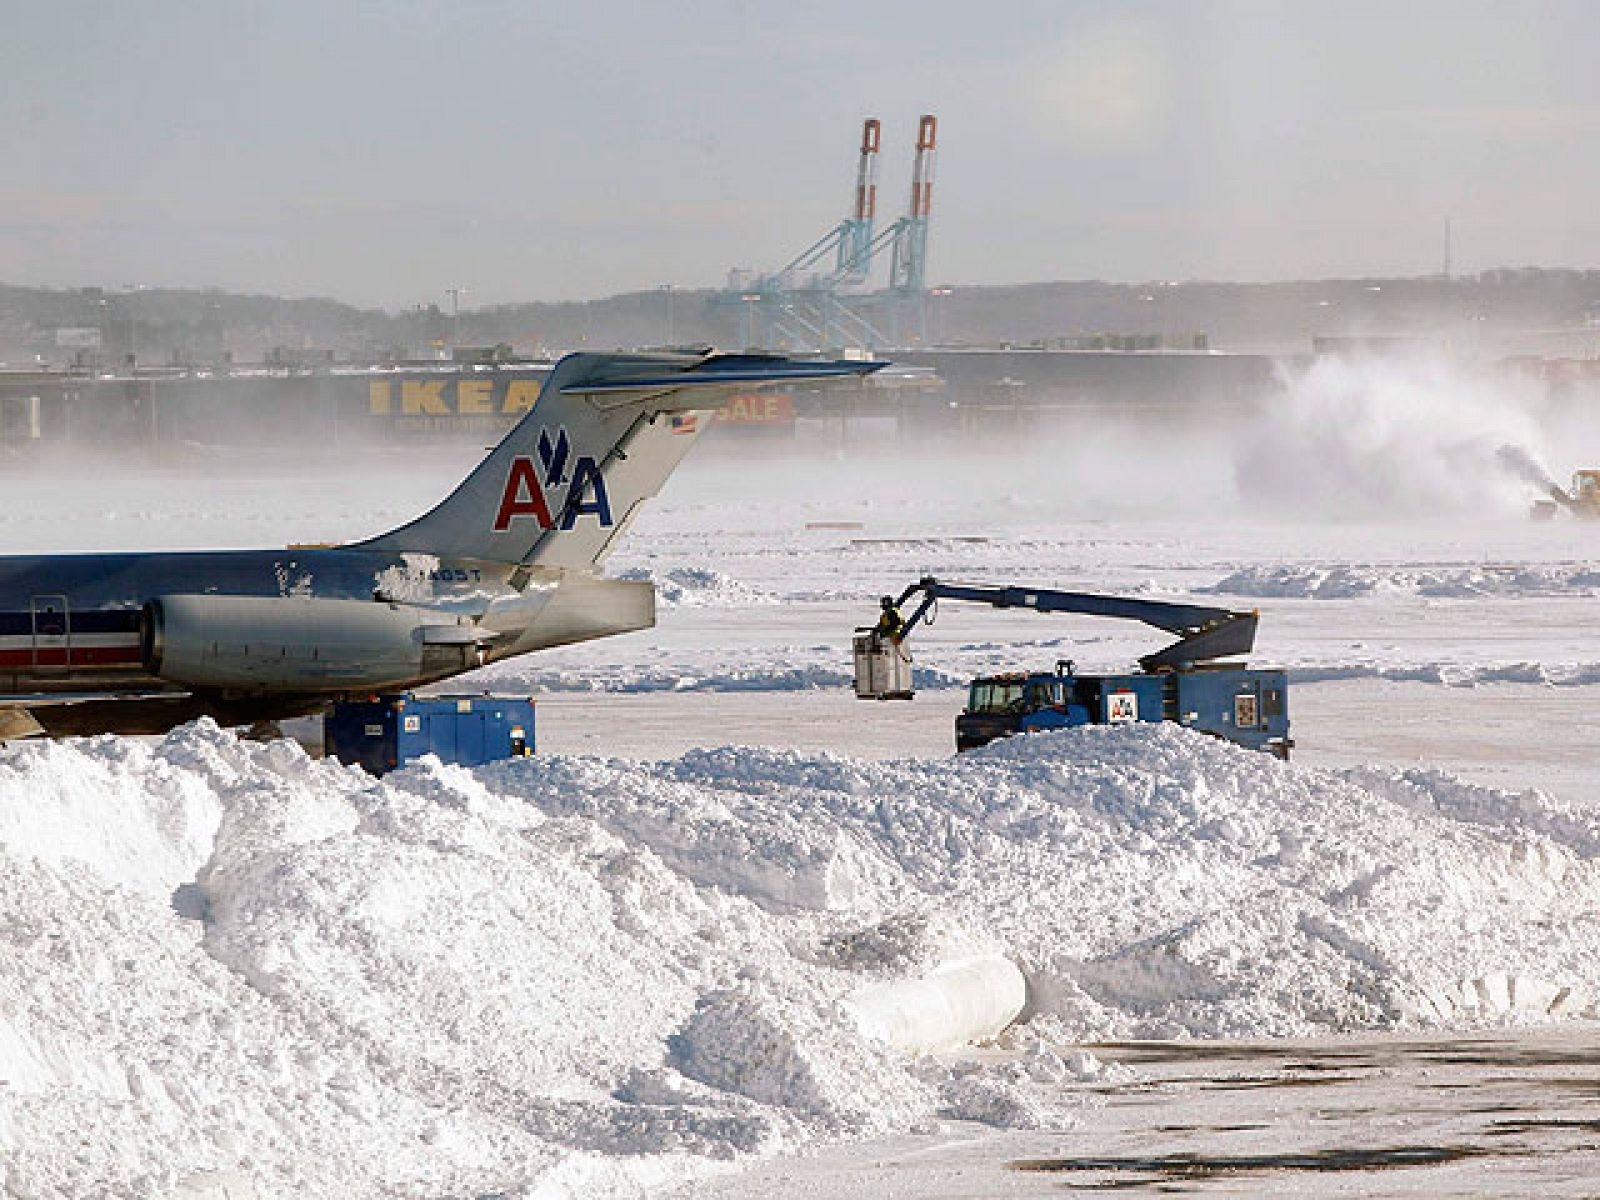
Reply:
x=855, y=242
x=908, y=269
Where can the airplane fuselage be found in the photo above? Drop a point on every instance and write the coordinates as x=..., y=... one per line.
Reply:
x=85, y=629
x=71, y=622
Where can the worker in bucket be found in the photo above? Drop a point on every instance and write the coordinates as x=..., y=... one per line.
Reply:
x=890, y=623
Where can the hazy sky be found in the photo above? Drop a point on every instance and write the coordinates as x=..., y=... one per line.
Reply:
x=383, y=152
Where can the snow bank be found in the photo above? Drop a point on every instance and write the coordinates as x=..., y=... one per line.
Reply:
x=700, y=587
x=1454, y=675
x=817, y=668
x=752, y=675
x=1346, y=581
x=573, y=976
x=783, y=669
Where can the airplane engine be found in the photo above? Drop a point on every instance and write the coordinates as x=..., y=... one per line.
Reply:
x=302, y=643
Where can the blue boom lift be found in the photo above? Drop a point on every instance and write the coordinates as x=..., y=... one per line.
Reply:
x=1180, y=683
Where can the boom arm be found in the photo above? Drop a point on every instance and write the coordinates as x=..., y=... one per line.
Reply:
x=1204, y=633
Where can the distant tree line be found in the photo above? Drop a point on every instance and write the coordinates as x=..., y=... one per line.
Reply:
x=99, y=326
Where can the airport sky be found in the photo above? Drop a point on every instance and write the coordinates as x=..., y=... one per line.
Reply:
x=381, y=153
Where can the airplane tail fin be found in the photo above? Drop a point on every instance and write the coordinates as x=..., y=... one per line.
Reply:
x=600, y=440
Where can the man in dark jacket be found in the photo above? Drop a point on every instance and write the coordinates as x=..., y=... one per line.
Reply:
x=890, y=623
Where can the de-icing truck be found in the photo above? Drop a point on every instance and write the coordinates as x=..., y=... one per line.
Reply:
x=1182, y=683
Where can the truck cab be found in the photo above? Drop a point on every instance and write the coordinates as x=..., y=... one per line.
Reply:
x=1000, y=705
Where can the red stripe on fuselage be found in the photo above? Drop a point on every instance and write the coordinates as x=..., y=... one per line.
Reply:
x=79, y=656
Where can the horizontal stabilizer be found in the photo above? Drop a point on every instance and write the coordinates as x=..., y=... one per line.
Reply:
x=708, y=383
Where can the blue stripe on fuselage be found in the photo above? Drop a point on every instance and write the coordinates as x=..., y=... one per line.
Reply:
x=84, y=620
x=104, y=587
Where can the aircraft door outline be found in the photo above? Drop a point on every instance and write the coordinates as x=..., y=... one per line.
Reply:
x=51, y=622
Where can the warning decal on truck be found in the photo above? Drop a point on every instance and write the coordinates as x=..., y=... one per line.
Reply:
x=1244, y=711
x=1121, y=707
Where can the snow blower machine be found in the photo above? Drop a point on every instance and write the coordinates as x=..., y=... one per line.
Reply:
x=1582, y=501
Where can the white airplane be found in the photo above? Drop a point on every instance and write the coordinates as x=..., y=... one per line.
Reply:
x=508, y=563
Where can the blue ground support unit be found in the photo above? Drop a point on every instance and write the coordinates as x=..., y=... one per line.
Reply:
x=388, y=732
x=1246, y=706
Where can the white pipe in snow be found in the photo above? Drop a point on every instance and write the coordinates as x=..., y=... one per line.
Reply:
x=967, y=1000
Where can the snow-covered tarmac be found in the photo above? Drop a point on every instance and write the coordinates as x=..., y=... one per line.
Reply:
x=1506, y=735
x=626, y=966
x=1463, y=1115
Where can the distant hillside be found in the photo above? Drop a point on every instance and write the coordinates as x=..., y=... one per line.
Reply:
x=1563, y=307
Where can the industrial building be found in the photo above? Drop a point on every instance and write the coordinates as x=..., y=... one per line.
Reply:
x=932, y=391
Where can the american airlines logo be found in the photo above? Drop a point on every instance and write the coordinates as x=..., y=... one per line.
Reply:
x=530, y=487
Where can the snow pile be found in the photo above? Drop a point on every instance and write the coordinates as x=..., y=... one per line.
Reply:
x=780, y=669
x=1346, y=581
x=752, y=676
x=1454, y=675
x=700, y=587
x=231, y=966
